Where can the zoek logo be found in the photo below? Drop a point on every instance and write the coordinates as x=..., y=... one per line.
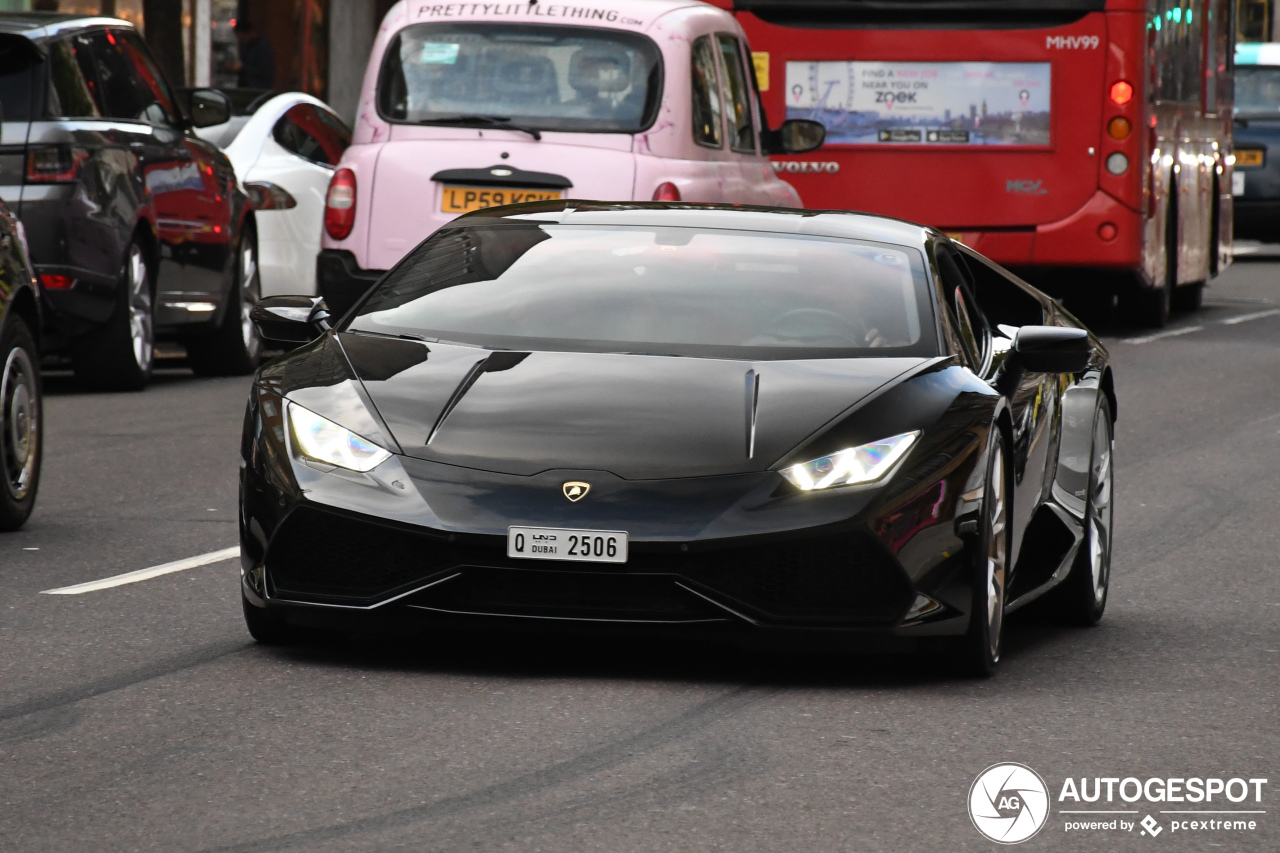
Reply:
x=1008, y=803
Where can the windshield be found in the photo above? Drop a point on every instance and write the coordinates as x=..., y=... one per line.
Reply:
x=542, y=78
x=1258, y=89
x=672, y=291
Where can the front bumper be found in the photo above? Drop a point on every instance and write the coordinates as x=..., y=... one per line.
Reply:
x=341, y=280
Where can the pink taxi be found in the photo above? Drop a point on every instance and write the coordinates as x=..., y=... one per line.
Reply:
x=473, y=105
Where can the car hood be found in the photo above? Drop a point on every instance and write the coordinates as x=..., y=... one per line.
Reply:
x=636, y=416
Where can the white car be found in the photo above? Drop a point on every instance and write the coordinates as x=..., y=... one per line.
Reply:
x=284, y=152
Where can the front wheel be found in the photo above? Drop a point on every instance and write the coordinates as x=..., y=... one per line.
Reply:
x=234, y=348
x=20, y=424
x=979, y=650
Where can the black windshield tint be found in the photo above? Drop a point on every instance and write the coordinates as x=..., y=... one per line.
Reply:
x=545, y=78
x=18, y=63
x=678, y=291
x=1257, y=90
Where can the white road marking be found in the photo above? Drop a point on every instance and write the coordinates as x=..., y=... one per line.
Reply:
x=1172, y=333
x=1244, y=318
x=147, y=574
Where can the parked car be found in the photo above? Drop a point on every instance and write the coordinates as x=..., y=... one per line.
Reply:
x=468, y=106
x=137, y=227
x=284, y=149
x=1256, y=180
x=20, y=404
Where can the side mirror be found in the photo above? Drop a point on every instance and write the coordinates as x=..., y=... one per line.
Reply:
x=290, y=321
x=206, y=107
x=1052, y=349
x=796, y=136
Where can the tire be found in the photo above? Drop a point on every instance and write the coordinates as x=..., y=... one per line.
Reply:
x=979, y=649
x=1082, y=598
x=234, y=348
x=120, y=355
x=1189, y=297
x=265, y=626
x=1151, y=307
x=20, y=424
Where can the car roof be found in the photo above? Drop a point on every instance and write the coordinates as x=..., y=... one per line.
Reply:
x=39, y=26
x=780, y=220
x=1258, y=54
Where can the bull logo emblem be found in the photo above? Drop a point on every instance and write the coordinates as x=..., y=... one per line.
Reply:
x=575, y=490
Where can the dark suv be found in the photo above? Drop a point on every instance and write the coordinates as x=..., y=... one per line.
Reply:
x=138, y=229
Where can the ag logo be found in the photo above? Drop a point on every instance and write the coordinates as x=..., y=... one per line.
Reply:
x=1008, y=803
x=575, y=490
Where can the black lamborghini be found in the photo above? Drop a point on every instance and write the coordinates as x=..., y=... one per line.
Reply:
x=681, y=415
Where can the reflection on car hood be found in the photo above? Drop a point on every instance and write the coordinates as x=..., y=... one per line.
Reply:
x=637, y=416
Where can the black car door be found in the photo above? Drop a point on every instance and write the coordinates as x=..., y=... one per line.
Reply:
x=183, y=189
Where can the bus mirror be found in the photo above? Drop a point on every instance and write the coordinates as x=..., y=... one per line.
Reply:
x=801, y=135
x=796, y=136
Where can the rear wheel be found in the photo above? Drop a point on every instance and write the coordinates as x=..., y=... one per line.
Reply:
x=20, y=423
x=1189, y=297
x=234, y=348
x=979, y=650
x=1150, y=307
x=119, y=355
x=1083, y=595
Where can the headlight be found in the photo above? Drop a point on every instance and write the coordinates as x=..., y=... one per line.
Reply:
x=324, y=441
x=852, y=467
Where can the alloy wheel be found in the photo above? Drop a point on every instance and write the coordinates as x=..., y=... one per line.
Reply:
x=141, y=333
x=997, y=554
x=20, y=422
x=248, y=293
x=1099, y=507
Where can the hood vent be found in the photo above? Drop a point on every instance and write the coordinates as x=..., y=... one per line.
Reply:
x=494, y=363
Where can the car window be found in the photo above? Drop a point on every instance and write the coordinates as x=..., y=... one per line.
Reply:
x=313, y=134
x=18, y=58
x=1003, y=301
x=564, y=78
x=965, y=314
x=69, y=94
x=737, y=95
x=706, y=94
x=132, y=86
x=659, y=289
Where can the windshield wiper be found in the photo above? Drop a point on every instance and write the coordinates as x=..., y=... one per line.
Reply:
x=503, y=122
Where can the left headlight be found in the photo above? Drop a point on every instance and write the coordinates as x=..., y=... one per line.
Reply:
x=851, y=467
x=324, y=441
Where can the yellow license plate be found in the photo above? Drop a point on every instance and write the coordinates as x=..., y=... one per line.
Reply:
x=1248, y=156
x=467, y=199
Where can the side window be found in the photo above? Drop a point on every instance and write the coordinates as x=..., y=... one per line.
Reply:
x=737, y=95
x=965, y=314
x=313, y=134
x=69, y=94
x=1002, y=300
x=132, y=87
x=706, y=95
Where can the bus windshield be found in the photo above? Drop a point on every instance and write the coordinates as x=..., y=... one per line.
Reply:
x=541, y=78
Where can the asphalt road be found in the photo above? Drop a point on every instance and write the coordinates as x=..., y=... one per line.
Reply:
x=142, y=717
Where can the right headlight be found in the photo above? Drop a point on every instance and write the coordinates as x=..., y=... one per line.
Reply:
x=854, y=466
x=324, y=441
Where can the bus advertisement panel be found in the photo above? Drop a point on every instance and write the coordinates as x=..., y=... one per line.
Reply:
x=1054, y=136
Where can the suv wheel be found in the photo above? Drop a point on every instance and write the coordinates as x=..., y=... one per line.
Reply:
x=19, y=425
x=234, y=348
x=119, y=355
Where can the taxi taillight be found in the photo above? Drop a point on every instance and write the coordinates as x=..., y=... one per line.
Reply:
x=666, y=191
x=340, y=204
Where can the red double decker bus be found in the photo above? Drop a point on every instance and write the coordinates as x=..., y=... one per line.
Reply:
x=1084, y=143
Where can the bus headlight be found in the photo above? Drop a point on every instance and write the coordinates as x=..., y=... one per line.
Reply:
x=1117, y=164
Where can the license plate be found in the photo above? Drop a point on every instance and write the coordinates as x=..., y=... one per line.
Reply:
x=555, y=543
x=1248, y=156
x=1237, y=183
x=467, y=199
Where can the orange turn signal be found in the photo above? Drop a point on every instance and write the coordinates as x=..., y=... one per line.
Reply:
x=1119, y=127
x=1121, y=92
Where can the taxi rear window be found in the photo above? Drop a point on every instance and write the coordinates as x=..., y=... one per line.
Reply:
x=535, y=77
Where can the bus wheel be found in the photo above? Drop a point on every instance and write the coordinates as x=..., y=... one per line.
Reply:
x=1188, y=297
x=1151, y=307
